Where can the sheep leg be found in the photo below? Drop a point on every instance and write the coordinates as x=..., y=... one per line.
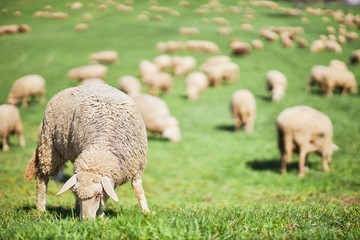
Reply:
x=249, y=127
x=136, y=184
x=286, y=154
x=19, y=132
x=41, y=189
x=4, y=143
x=42, y=98
x=302, y=160
x=24, y=102
x=237, y=123
x=326, y=159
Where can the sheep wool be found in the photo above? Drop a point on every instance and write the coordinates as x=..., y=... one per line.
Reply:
x=243, y=107
x=129, y=84
x=195, y=83
x=10, y=122
x=25, y=87
x=307, y=130
x=88, y=71
x=276, y=83
x=102, y=133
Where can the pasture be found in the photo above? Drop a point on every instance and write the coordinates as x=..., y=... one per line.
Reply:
x=215, y=183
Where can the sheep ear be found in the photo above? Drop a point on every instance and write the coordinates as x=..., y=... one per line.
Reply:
x=109, y=188
x=69, y=183
x=335, y=148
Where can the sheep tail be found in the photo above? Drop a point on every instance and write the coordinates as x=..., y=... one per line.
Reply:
x=30, y=171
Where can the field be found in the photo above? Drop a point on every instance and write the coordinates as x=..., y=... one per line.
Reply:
x=215, y=183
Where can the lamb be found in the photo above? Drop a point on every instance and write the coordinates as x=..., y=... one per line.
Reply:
x=243, y=107
x=305, y=130
x=159, y=81
x=276, y=83
x=27, y=86
x=196, y=83
x=129, y=84
x=157, y=117
x=102, y=133
x=338, y=78
x=105, y=57
x=88, y=71
x=10, y=122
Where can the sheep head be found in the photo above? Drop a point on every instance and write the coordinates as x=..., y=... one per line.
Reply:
x=91, y=191
x=11, y=99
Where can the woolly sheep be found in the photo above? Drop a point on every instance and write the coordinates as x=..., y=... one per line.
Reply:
x=239, y=47
x=302, y=42
x=317, y=46
x=196, y=83
x=10, y=122
x=27, y=86
x=147, y=68
x=129, y=84
x=355, y=57
x=157, y=117
x=105, y=57
x=338, y=64
x=163, y=62
x=208, y=63
x=243, y=107
x=257, y=44
x=183, y=65
x=269, y=35
x=333, y=46
x=226, y=70
x=305, y=130
x=159, y=81
x=276, y=83
x=88, y=71
x=316, y=75
x=81, y=26
x=102, y=133
x=202, y=46
x=338, y=78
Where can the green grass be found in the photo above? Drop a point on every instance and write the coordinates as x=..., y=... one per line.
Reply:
x=213, y=184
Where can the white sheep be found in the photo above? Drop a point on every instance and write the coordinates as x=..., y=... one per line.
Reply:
x=276, y=83
x=27, y=86
x=195, y=83
x=81, y=26
x=163, y=62
x=257, y=44
x=243, y=107
x=217, y=72
x=317, y=46
x=183, y=65
x=209, y=62
x=157, y=117
x=10, y=122
x=338, y=64
x=147, y=68
x=102, y=133
x=338, y=78
x=316, y=76
x=88, y=71
x=305, y=130
x=159, y=81
x=129, y=84
x=355, y=57
x=239, y=47
x=108, y=56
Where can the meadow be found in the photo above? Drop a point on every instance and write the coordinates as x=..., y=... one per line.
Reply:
x=215, y=183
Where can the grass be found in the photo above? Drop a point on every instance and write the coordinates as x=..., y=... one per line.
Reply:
x=213, y=184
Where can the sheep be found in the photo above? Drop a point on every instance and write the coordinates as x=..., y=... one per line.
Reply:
x=305, y=130
x=188, y=31
x=333, y=46
x=239, y=47
x=269, y=35
x=202, y=46
x=214, y=60
x=163, y=62
x=338, y=64
x=81, y=26
x=102, y=133
x=316, y=75
x=183, y=65
x=302, y=42
x=105, y=57
x=225, y=31
x=226, y=70
x=276, y=84
x=196, y=83
x=10, y=122
x=157, y=117
x=92, y=81
x=129, y=84
x=246, y=27
x=243, y=107
x=317, y=46
x=27, y=86
x=257, y=44
x=159, y=81
x=147, y=68
x=338, y=78
x=355, y=57
x=88, y=71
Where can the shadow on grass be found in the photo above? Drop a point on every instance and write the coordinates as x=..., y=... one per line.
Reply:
x=266, y=98
x=226, y=128
x=156, y=137
x=271, y=164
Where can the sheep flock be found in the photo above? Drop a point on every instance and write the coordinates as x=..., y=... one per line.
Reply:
x=115, y=102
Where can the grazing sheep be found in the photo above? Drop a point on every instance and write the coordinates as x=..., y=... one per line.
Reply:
x=355, y=57
x=87, y=17
x=159, y=81
x=102, y=133
x=81, y=26
x=157, y=117
x=239, y=47
x=302, y=42
x=163, y=62
x=188, y=31
x=338, y=64
x=257, y=44
x=92, y=81
x=196, y=83
x=341, y=39
x=27, y=86
x=183, y=65
x=243, y=107
x=338, y=78
x=246, y=27
x=276, y=83
x=333, y=46
x=304, y=130
x=10, y=122
x=226, y=70
x=317, y=46
x=147, y=68
x=213, y=61
x=105, y=57
x=269, y=35
x=316, y=76
x=202, y=46
x=129, y=84
x=88, y=71
x=225, y=31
